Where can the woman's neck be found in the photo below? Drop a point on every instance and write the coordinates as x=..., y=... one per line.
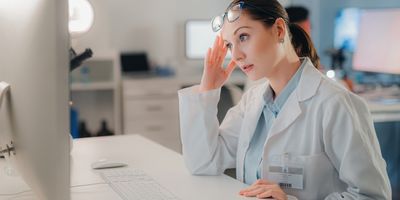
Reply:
x=285, y=71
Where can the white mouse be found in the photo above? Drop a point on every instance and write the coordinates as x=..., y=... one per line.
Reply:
x=104, y=163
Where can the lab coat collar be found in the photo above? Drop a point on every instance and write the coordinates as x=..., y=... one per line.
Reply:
x=307, y=88
x=309, y=81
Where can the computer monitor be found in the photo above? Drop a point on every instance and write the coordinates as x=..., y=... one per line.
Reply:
x=134, y=62
x=346, y=29
x=198, y=38
x=378, y=43
x=34, y=115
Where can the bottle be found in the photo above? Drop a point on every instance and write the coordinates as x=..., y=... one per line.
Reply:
x=85, y=76
x=74, y=116
x=104, y=131
x=83, y=132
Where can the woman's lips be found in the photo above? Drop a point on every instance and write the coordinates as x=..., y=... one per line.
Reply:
x=247, y=68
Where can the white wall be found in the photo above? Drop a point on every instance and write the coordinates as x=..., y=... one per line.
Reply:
x=154, y=26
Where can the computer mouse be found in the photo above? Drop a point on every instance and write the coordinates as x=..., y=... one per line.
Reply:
x=105, y=163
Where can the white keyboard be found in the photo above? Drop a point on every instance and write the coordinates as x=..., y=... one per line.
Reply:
x=132, y=184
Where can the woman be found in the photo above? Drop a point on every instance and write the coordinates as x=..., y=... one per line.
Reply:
x=300, y=135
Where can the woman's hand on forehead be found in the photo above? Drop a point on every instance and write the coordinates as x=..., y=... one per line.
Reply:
x=214, y=73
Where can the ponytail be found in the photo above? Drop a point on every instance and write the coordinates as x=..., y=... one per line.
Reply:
x=303, y=45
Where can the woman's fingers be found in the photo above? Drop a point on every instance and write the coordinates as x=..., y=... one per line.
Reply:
x=264, y=189
x=218, y=52
x=214, y=54
x=275, y=194
x=207, y=59
x=249, y=189
x=254, y=192
x=223, y=51
x=222, y=55
x=214, y=74
x=265, y=194
x=231, y=66
x=253, y=187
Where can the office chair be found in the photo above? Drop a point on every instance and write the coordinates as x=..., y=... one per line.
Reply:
x=230, y=96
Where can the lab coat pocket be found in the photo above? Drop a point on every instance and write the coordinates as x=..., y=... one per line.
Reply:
x=319, y=175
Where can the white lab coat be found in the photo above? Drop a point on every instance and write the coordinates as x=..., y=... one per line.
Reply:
x=327, y=127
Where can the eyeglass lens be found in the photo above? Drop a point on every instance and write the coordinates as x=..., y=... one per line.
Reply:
x=217, y=23
x=232, y=15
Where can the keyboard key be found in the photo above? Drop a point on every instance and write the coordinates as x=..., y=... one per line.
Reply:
x=132, y=184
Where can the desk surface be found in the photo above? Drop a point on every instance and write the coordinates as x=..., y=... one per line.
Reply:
x=383, y=110
x=164, y=165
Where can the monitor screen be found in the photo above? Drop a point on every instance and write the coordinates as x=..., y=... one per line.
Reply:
x=34, y=115
x=346, y=29
x=198, y=38
x=134, y=62
x=378, y=41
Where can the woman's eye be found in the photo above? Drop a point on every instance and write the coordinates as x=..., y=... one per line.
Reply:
x=243, y=37
x=228, y=45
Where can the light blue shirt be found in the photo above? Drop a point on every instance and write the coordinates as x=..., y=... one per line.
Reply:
x=253, y=159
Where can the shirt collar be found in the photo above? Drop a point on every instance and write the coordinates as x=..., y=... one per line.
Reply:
x=276, y=105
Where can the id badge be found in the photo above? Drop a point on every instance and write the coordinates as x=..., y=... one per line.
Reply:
x=287, y=172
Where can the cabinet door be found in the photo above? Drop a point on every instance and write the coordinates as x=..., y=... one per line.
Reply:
x=163, y=131
x=150, y=109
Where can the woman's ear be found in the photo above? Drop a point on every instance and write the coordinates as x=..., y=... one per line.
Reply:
x=280, y=25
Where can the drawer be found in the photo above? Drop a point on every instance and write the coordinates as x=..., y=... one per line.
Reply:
x=157, y=128
x=164, y=132
x=149, y=87
x=150, y=109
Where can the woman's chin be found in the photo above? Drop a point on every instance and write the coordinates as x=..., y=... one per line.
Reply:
x=254, y=77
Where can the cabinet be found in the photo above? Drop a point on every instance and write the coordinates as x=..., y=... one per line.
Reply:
x=150, y=105
x=150, y=108
x=96, y=92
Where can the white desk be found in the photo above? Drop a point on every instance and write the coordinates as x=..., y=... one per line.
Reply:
x=382, y=103
x=164, y=165
x=384, y=112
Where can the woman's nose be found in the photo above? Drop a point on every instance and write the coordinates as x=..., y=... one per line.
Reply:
x=237, y=54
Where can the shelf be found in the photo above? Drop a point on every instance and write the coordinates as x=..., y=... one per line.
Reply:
x=92, y=86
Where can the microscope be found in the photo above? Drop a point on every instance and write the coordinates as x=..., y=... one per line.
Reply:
x=77, y=59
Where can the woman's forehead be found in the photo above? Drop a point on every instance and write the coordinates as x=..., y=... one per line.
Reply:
x=228, y=29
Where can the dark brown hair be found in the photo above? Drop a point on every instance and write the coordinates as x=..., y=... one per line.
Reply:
x=297, y=13
x=268, y=12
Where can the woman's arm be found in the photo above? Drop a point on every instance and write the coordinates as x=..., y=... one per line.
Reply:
x=208, y=148
x=352, y=146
